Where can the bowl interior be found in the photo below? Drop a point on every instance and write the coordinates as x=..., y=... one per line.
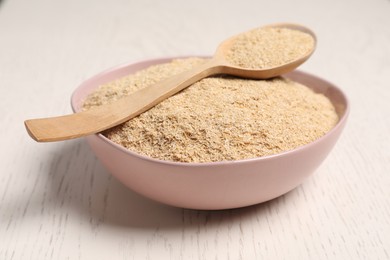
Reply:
x=317, y=84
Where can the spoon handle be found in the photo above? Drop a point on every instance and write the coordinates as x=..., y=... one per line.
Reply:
x=106, y=116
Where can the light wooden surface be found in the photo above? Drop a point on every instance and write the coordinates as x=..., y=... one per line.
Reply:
x=58, y=202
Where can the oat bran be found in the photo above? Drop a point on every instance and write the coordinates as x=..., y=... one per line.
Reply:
x=218, y=118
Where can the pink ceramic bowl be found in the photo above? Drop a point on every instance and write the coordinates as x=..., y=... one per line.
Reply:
x=218, y=185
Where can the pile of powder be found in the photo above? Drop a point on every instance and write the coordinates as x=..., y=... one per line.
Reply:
x=218, y=118
x=269, y=47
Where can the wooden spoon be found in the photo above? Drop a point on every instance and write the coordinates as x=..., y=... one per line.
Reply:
x=110, y=115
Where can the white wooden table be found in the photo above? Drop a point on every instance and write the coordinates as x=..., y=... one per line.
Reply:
x=58, y=202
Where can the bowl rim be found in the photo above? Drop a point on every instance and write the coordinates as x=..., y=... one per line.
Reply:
x=339, y=124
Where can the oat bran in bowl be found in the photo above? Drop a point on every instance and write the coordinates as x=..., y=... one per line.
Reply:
x=222, y=143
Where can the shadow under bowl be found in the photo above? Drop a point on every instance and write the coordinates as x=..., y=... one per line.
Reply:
x=216, y=185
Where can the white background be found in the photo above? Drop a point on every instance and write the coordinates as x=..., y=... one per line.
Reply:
x=58, y=202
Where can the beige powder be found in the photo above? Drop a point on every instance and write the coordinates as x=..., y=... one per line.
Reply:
x=269, y=47
x=218, y=118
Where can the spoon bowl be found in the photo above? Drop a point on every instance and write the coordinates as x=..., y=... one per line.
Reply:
x=107, y=116
x=263, y=73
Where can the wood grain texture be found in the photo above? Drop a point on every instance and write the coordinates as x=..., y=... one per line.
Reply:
x=58, y=202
